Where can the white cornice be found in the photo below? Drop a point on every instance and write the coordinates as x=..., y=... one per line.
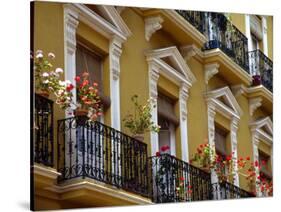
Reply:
x=229, y=63
x=185, y=26
x=96, y=186
x=247, y=91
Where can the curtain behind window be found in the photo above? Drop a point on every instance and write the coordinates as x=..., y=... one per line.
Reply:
x=89, y=61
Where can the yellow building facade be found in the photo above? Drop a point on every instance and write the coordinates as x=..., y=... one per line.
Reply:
x=212, y=83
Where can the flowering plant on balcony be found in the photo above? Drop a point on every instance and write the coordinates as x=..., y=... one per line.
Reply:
x=48, y=80
x=258, y=181
x=183, y=189
x=204, y=157
x=88, y=99
x=140, y=121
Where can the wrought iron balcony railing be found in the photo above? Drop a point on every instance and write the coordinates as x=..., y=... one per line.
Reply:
x=220, y=34
x=44, y=142
x=226, y=190
x=197, y=19
x=177, y=181
x=261, y=65
x=94, y=150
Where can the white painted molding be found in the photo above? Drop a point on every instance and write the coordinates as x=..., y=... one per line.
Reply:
x=179, y=73
x=248, y=32
x=99, y=24
x=264, y=36
x=152, y=24
x=259, y=134
x=70, y=25
x=182, y=76
x=211, y=70
x=254, y=103
x=229, y=111
x=114, y=66
x=256, y=27
x=233, y=113
x=183, y=96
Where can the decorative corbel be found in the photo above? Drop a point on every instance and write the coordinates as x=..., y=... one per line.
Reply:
x=188, y=51
x=254, y=103
x=210, y=70
x=152, y=24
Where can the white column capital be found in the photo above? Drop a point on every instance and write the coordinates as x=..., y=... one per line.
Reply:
x=153, y=79
x=152, y=24
x=70, y=24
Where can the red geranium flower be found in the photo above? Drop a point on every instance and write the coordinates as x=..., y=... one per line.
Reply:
x=181, y=178
x=85, y=82
x=157, y=154
x=256, y=163
x=165, y=148
x=248, y=158
x=228, y=158
x=263, y=162
x=77, y=79
x=69, y=87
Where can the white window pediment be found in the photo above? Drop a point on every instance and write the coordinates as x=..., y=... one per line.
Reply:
x=225, y=101
x=264, y=128
x=171, y=63
x=105, y=20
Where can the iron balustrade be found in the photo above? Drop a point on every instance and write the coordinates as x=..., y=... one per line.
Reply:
x=261, y=65
x=96, y=151
x=226, y=190
x=195, y=18
x=225, y=36
x=220, y=34
x=173, y=180
x=44, y=141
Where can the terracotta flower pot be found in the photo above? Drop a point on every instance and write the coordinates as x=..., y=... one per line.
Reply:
x=45, y=94
x=81, y=112
x=139, y=137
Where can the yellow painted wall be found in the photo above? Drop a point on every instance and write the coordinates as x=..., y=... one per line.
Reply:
x=134, y=68
x=48, y=37
x=239, y=21
x=197, y=109
x=270, y=36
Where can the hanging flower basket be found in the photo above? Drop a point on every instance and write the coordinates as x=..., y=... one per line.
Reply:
x=81, y=112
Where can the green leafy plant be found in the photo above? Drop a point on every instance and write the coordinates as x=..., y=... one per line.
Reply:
x=140, y=121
